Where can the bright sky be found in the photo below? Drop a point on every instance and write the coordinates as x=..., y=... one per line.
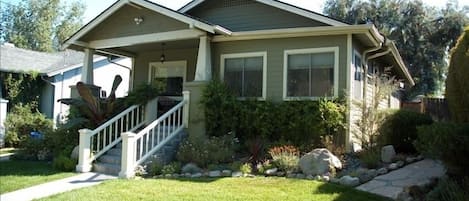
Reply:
x=94, y=7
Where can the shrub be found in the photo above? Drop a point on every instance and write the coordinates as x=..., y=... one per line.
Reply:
x=400, y=129
x=449, y=190
x=173, y=167
x=370, y=158
x=214, y=150
x=246, y=168
x=64, y=163
x=263, y=166
x=155, y=167
x=457, y=92
x=285, y=157
x=447, y=142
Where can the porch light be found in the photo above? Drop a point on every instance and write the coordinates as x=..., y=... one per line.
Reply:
x=138, y=20
x=162, y=57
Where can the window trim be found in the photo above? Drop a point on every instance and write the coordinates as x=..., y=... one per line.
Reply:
x=245, y=55
x=286, y=53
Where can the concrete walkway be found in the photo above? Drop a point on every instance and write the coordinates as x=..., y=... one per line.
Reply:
x=393, y=183
x=55, y=187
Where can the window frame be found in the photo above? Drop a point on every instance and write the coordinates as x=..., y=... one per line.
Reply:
x=289, y=52
x=263, y=54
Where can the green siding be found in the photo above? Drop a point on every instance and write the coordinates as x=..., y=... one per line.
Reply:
x=275, y=54
x=247, y=15
x=143, y=60
x=121, y=23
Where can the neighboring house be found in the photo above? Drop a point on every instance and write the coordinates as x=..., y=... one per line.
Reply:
x=264, y=49
x=3, y=114
x=60, y=71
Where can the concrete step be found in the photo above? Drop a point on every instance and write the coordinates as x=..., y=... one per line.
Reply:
x=112, y=159
x=115, y=152
x=106, y=168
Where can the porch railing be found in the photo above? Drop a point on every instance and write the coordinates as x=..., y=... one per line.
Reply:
x=94, y=143
x=136, y=148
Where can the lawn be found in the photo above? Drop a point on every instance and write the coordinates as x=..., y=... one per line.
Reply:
x=232, y=189
x=16, y=175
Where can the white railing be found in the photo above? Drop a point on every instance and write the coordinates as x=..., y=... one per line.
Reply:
x=94, y=143
x=136, y=148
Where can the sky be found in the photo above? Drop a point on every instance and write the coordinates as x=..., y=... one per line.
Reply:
x=94, y=7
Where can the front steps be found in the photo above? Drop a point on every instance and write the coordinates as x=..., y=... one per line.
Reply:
x=110, y=163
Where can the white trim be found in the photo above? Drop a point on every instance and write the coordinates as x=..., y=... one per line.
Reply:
x=245, y=55
x=283, y=6
x=355, y=54
x=300, y=32
x=349, y=118
x=149, y=5
x=167, y=64
x=335, y=50
x=146, y=38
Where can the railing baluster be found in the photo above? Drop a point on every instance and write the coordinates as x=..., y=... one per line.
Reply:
x=147, y=141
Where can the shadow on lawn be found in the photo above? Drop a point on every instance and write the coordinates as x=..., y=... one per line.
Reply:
x=26, y=168
x=347, y=193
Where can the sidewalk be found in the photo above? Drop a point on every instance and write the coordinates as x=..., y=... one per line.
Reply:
x=55, y=187
x=393, y=183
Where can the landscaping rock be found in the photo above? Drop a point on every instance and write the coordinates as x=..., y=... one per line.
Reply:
x=367, y=175
x=188, y=175
x=197, y=175
x=318, y=178
x=271, y=172
x=191, y=168
x=280, y=174
x=291, y=175
x=236, y=174
x=400, y=163
x=335, y=180
x=226, y=173
x=175, y=175
x=387, y=153
x=382, y=171
x=310, y=177
x=74, y=154
x=349, y=181
x=215, y=173
x=393, y=166
x=318, y=162
x=168, y=175
x=410, y=159
x=326, y=178
x=300, y=176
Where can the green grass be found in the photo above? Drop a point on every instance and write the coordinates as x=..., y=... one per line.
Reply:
x=229, y=189
x=15, y=175
x=7, y=151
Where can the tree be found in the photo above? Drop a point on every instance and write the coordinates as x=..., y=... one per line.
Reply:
x=422, y=34
x=40, y=25
x=458, y=79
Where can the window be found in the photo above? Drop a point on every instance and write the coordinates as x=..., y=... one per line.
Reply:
x=245, y=74
x=358, y=67
x=311, y=73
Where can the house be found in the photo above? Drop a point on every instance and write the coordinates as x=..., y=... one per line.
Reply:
x=264, y=49
x=59, y=71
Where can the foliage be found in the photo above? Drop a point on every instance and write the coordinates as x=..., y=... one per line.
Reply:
x=449, y=190
x=21, y=121
x=400, y=129
x=263, y=166
x=22, y=88
x=142, y=94
x=155, y=168
x=370, y=158
x=173, y=167
x=222, y=189
x=423, y=34
x=94, y=109
x=214, y=150
x=285, y=157
x=457, y=92
x=246, y=168
x=19, y=174
x=371, y=116
x=447, y=142
x=256, y=149
x=41, y=25
x=64, y=163
x=302, y=123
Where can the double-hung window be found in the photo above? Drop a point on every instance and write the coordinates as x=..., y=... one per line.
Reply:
x=311, y=73
x=245, y=74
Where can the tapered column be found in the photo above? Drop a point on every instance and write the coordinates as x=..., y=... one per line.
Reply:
x=203, y=70
x=87, y=70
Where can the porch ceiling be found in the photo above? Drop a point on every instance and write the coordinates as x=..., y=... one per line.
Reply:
x=157, y=46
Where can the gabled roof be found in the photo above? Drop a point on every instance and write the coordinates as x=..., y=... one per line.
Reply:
x=280, y=5
x=190, y=21
x=17, y=60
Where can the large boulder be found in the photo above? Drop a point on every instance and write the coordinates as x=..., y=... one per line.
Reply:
x=318, y=162
x=387, y=153
x=349, y=181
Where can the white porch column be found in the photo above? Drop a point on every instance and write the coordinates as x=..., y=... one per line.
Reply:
x=87, y=70
x=84, y=153
x=128, y=155
x=203, y=70
x=185, y=111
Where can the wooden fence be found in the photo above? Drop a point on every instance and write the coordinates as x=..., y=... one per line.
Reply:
x=437, y=108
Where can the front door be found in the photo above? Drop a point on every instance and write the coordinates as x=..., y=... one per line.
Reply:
x=170, y=77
